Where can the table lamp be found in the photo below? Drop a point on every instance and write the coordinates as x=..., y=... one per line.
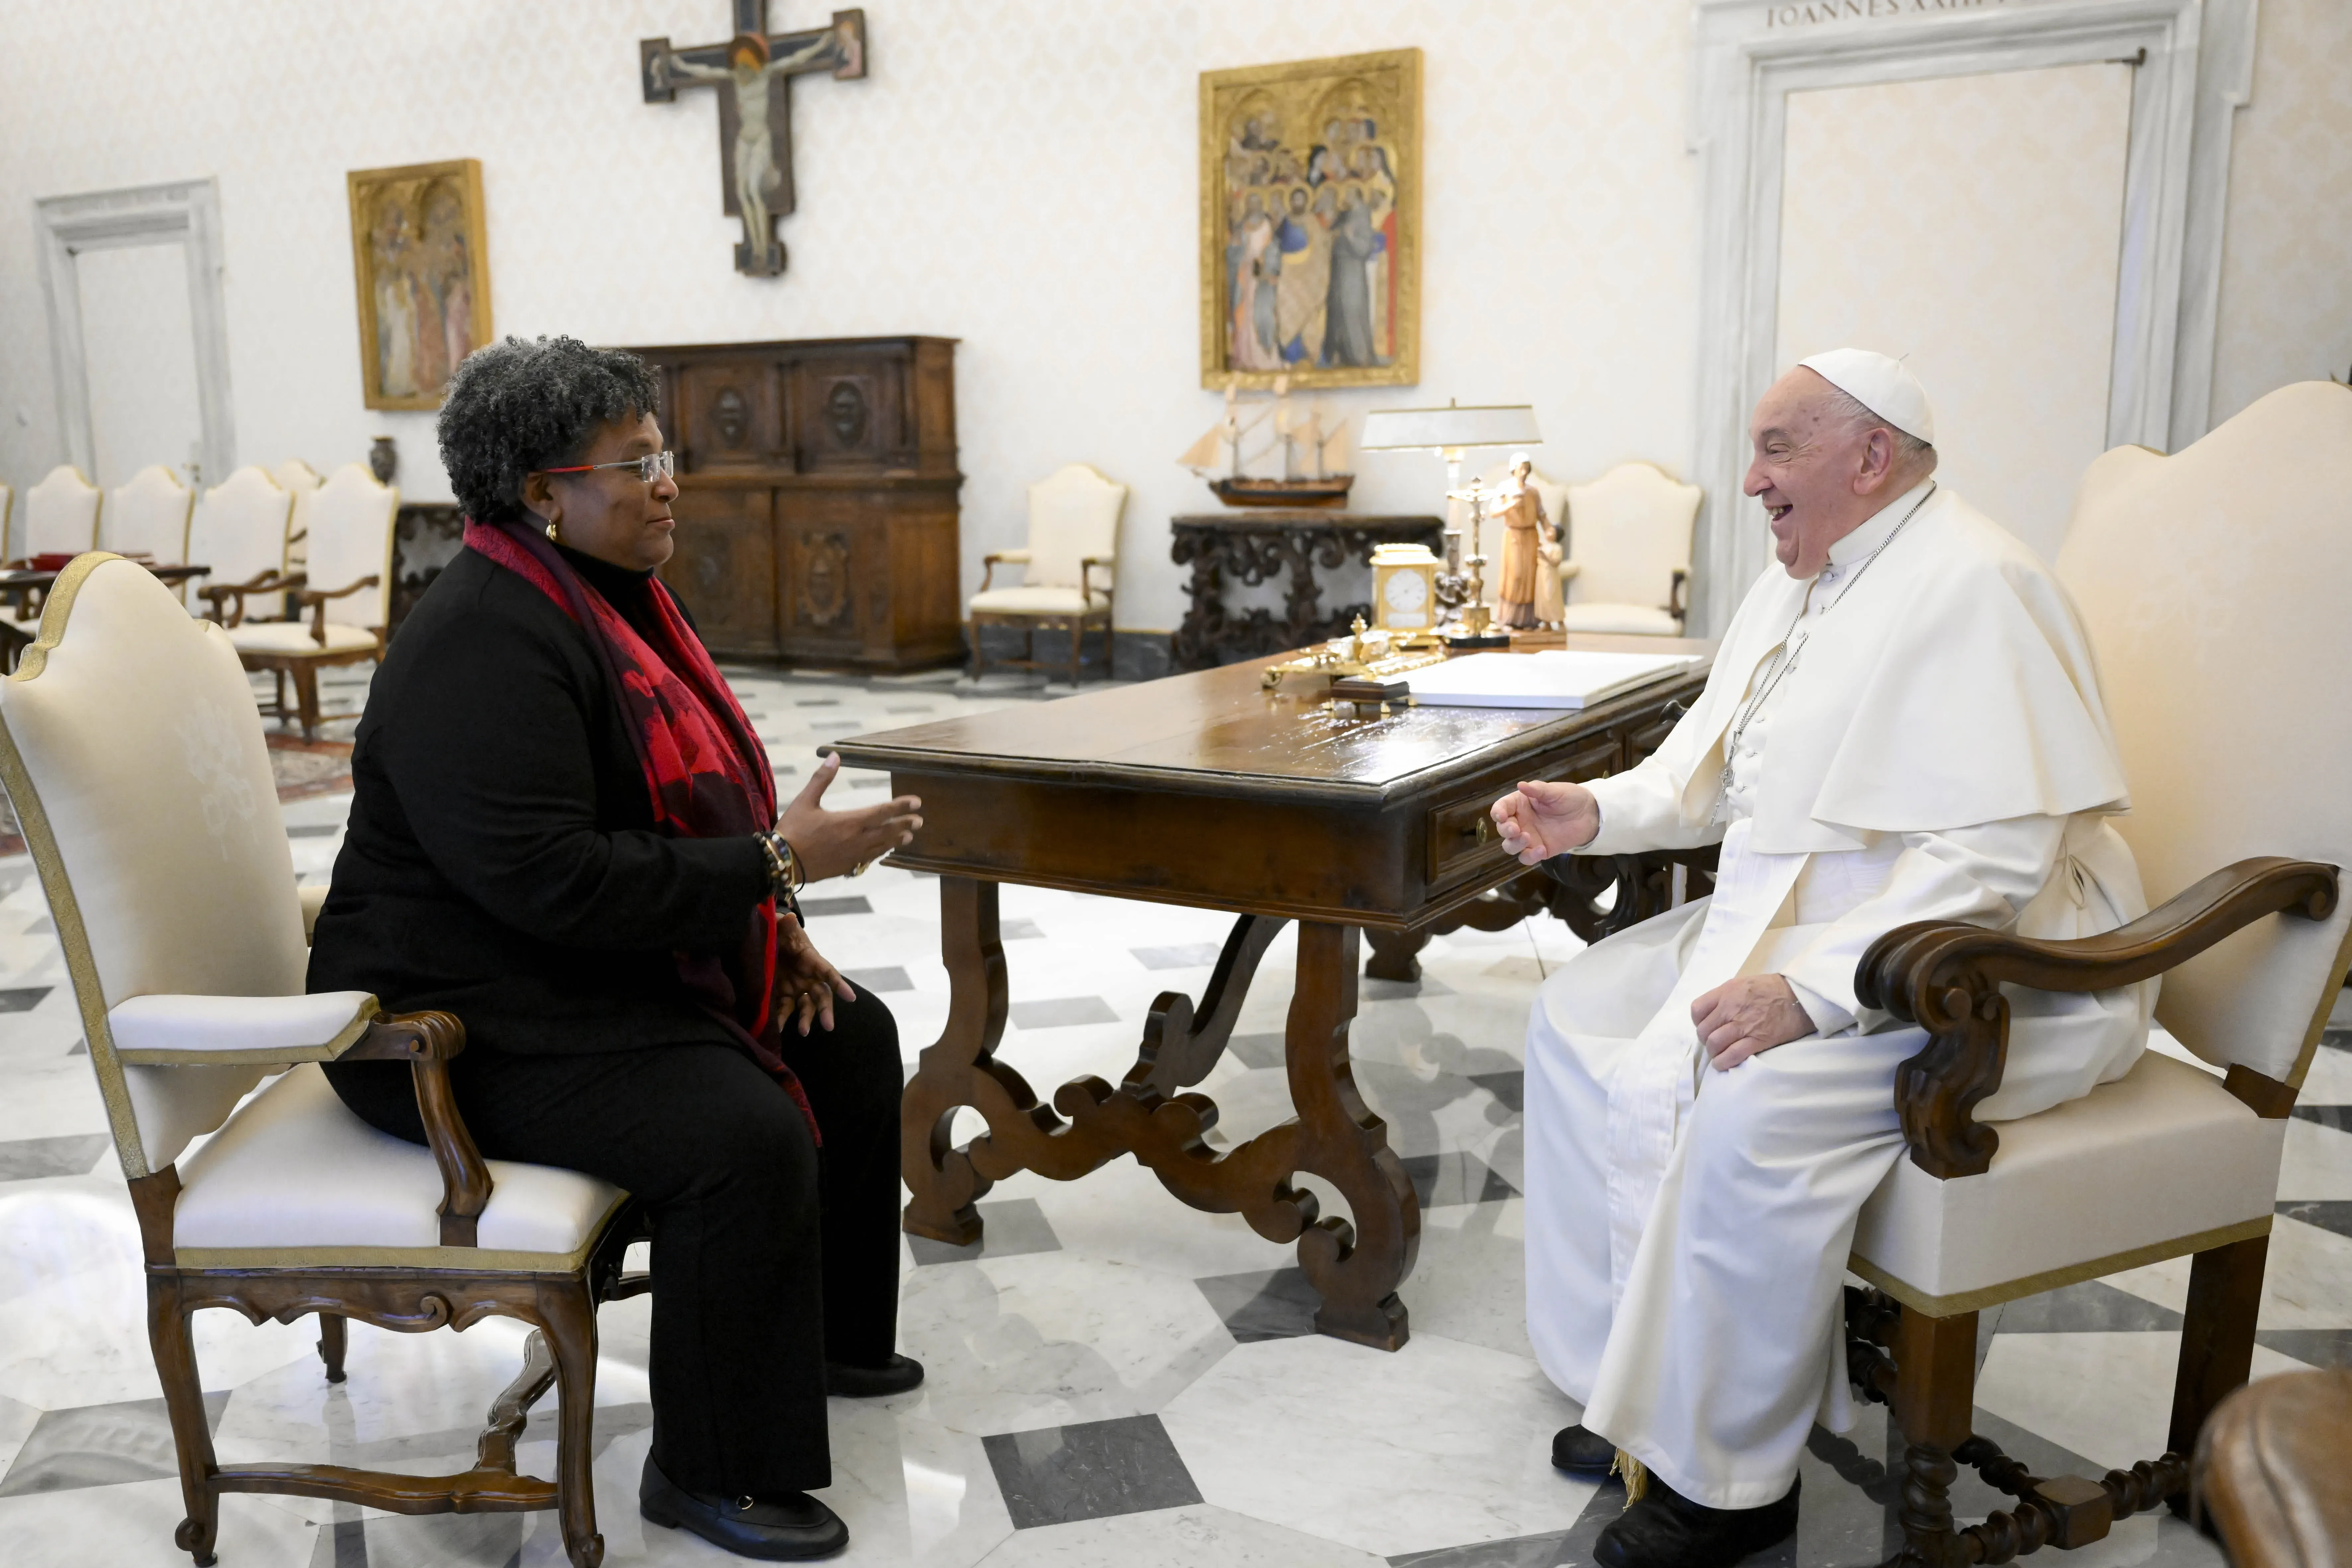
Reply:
x=1452, y=430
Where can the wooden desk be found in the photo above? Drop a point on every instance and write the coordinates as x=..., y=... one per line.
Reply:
x=1202, y=789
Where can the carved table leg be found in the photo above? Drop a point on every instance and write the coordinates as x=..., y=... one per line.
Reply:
x=1394, y=953
x=941, y=1178
x=1356, y=1268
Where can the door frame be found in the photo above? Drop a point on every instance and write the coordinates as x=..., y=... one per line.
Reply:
x=2194, y=66
x=185, y=213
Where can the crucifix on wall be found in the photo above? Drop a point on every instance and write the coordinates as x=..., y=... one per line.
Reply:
x=752, y=74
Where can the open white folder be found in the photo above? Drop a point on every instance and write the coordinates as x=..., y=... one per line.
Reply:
x=1555, y=678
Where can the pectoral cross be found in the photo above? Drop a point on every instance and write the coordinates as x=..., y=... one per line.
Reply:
x=752, y=72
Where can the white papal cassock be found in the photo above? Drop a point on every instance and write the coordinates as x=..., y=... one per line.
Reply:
x=1937, y=751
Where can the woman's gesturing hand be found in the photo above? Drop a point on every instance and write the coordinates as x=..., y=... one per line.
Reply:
x=805, y=982
x=1538, y=821
x=831, y=842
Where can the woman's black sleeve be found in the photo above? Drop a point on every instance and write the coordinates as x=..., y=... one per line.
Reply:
x=491, y=756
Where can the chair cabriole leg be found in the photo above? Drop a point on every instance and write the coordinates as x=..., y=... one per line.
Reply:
x=567, y=1317
x=184, y=1399
x=332, y=1339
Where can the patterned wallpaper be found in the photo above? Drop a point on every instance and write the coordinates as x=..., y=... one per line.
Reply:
x=1986, y=260
x=1017, y=174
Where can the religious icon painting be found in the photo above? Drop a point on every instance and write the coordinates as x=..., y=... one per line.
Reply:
x=1310, y=223
x=423, y=267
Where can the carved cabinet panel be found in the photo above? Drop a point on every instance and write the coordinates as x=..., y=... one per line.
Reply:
x=817, y=511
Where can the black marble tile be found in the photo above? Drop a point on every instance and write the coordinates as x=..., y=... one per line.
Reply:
x=878, y=981
x=1061, y=1012
x=99, y=1446
x=1008, y=1230
x=1190, y=955
x=1265, y=1050
x=29, y=1158
x=313, y=829
x=2328, y=1214
x=23, y=998
x=1510, y=1088
x=1455, y=1177
x=2091, y=1306
x=1264, y=1304
x=2339, y=1117
x=1015, y=931
x=858, y=905
x=1093, y=1469
x=2312, y=1347
x=816, y=703
x=2336, y=1039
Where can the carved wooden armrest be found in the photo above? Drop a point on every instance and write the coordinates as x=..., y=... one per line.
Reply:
x=1946, y=977
x=317, y=599
x=427, y=1042
x=1085, y=575
x=220, y=594
x=1678, y=593
x=988, y=564
x=1644, y=884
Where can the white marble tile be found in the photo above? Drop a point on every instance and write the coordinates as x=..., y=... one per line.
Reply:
x=1440, y=1443
x=2306, y=1278
x=911, y=1491
x=2317, y=1162
x=16, y=1422
x=1470, y=1282
x=1121, y=1214
x=1046, y=1339
x=2107, y=1396
x=1198, y=1536
x=130, y=1526
x=2330, y=1082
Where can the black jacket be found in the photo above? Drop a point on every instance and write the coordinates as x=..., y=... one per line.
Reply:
x=500, y=863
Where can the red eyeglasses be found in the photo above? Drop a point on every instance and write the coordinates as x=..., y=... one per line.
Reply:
x=656, y=466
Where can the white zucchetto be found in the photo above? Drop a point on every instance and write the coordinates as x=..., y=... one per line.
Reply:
x=1880, y=385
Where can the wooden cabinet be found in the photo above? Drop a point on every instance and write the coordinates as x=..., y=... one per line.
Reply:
x=816, y=507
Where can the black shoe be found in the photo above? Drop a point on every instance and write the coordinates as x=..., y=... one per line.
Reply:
x=777, y=1530
x=1666, y=1530
x=902, y=1373
x=1582, y=1453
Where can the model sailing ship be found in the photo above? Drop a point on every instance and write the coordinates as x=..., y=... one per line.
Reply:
x=1218, y=458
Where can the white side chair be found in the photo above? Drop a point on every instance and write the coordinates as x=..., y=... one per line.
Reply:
x=60, y=519
x=7, y=522
x=147, y=515
x=300, y=480
x=173, y=893
x=348, y=591
x=1629, y=551
x=239, y=532
x=1073, y=516
x=2240, y=826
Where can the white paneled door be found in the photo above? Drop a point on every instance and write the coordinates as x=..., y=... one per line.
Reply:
x=138, y=351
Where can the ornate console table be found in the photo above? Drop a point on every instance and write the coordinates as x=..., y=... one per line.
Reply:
x=1252, y=547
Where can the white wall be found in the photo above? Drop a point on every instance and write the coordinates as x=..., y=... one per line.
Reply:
x=1019, y=173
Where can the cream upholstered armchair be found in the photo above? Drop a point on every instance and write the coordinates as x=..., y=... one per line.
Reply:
x=240, y=532
x=129, y=744
x=147, y=515
x=1073, y=545
x=300, y=480
x=60, y=519
x=2241, y=824
x=1629, y=551
x=347, y=588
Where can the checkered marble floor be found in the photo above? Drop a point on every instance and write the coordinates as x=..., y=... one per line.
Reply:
x=1114, y=1378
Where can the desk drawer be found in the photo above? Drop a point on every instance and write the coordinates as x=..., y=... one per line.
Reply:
x=1461, y=838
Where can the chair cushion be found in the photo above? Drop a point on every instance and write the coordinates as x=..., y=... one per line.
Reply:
x=294, y=637
x=294, y=1179
x=2122, y=1176
x=1639, y=619
x=1040, y=600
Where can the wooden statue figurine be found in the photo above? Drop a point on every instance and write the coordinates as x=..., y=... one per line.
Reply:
x=1527, y=533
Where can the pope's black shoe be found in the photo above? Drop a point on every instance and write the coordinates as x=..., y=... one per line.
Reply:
x=775, y=1530
x=1665, y=1529
x=849, y=1382
x=1582, y=1453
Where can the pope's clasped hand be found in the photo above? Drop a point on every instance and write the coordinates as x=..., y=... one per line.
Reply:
x=1538, y=821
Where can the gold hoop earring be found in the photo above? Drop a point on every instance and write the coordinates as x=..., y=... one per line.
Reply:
x=551, y=538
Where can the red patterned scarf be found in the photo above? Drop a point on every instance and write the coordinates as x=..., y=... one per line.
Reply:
x=705, y=770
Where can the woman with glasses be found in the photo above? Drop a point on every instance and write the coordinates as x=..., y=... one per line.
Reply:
x=564, y=832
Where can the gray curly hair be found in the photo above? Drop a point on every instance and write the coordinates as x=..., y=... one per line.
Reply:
x=516, y=407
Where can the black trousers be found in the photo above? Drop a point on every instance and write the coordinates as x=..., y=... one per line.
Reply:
x=771, y=1256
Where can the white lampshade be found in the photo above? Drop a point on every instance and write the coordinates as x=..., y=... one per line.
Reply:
x=1450, y=428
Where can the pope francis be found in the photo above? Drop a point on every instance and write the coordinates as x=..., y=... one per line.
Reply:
x=1902, y=723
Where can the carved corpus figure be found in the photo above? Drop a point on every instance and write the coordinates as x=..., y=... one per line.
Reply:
x=1525, y=533
x=752, y=72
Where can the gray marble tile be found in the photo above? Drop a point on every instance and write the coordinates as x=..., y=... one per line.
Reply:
x=2092, y=1306
x=1190, y=956
x=854, y=905
x=1259, y=1050
x=1266, y=1304
x=29, y=1158
x=2313, y=1347
x=2333, y=1215
x=1455, y=1177
x=816, y=703
x=1091, y=1470
x=99, y=1446
x=1371, y=990
x=1061, y=1012
x=1018, y=930
x=1010, y=1228
x=880, y=981
x=2339, y=1117
x=1509, y=1088
x=313, y=829
x=23, y=998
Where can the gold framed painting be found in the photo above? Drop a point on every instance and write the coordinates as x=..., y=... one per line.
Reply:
x=422, y=269
x=1310, y=223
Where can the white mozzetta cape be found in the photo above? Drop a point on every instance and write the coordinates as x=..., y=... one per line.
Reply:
x=1952, y=686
